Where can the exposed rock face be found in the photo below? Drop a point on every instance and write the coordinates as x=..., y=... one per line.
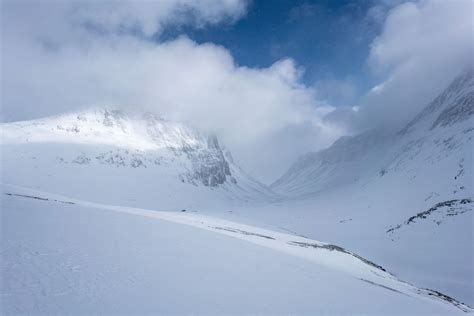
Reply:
x=440, y=211
x=209, y=165
x=113, y=118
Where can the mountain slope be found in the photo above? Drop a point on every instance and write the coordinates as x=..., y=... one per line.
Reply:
x=454, y=105
x=441, y=130
x=123, y=158
x=346, y=161
x=403, y=199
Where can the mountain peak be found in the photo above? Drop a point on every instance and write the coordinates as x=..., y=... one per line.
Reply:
x=454, y=104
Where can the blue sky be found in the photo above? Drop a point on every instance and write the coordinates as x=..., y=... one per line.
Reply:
x=329, y=39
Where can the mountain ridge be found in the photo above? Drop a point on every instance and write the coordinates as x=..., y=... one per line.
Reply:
x=453, y=106
x=106, y=138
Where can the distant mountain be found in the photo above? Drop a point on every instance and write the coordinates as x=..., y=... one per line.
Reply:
x=441, y=132
x=119, y=154
x=346, y=161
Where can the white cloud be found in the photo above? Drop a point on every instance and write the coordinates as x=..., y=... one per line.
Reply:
x=179, y=79
x=422, y=47
x=62, y=56
x=340, y=91
x=59, y=18
x=150, y=17
x=56, y=64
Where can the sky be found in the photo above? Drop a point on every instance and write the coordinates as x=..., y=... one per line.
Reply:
x=330, y=39
x=273, y=79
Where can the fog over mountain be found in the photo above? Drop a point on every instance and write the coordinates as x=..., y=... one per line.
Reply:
x=237, y=157
x=72, y=55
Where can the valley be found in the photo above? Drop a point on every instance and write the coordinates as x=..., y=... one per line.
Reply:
x=102, y=205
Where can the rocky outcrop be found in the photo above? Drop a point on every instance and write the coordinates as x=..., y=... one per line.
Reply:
x=211, y=167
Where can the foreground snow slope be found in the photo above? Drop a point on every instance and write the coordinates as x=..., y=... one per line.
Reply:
x=62, y=255
x=129, y=159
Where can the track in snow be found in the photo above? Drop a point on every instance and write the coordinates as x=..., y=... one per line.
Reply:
x=324, y=254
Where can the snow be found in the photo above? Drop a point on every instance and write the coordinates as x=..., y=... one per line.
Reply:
x=105, y=212
x=139, y=158
x=89, y=258
x=354, y=192
x=106, y=126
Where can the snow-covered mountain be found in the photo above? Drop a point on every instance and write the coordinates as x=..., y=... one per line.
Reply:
x=438, y=139
x=405, y=198
x=123, y=158
x=72, y=243
x=88, y=197
x=347, y=160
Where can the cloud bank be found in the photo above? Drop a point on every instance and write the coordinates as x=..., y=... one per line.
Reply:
x=83, y=56
x=422, y=47
x=64, y=56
